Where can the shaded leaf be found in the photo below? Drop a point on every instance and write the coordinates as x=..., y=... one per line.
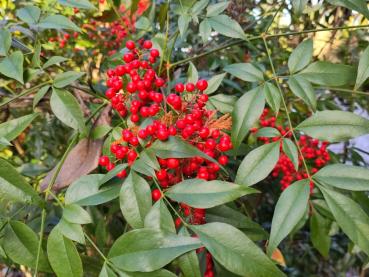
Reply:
x=189, y=263
x=301, y=56
x=357, y=5
x=12, y=66
x=29, y=14
x=183, y=21
x=319, y=233
x=160, y=218
x=303, y=89
x=290, y=149
x=5, y=41
x=299, y=6
x=272, y=96
x=205, y=30
x=227, y=26
x=39, y=95
x=71, y=231
x=245, y=71
x=214, y=83
x=268, y=132
x=54, y=60
x=13, y=128
x=192, y=74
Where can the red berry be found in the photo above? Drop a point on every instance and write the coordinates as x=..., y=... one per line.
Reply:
x=172, y=163
x=161, y=174
x=202, y=85
x=179, y=87
x=130, y=45
x=190, y=87
x=104, y=160
x=162, y=134
x=147, y=44
x=156, y=194
x=154, y=53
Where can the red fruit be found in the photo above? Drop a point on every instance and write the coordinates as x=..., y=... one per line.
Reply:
x=131, y=87
x=128, y=57
x=178, y=222
x=104, y=160
x=202, y=85
x=110, y=93
x=172, y=163
x=204, y=132
x=130, y=45
x=161, y=174
x=190, y=87
x=127, y=135
x=131, y=155
x=147, y=44
x=154, y=53
x=159, y=82
x=203, y=98
x=179, y=87
x=135, y=118
x=223, y=160
x=156, y=195
x=162, y=134
x=110, y=166
x=142, y=134
x=122, y=174
x=134, y=141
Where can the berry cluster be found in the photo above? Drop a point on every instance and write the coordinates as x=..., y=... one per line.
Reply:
x=64, y=38
x=314, y=152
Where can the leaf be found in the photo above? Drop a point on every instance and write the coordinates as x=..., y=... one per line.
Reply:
x=301, y=56
x=199, y=6
x=12, y=66
x=66, y=108
x=112, y=173
x=29, y=14
x=245, y=71
x=13, y=187
x=246, y=112
x=357, y=5
x=76, y=214
x=85, y=191
x=198, y=193
x=13, y=128
x=5, y=42
x=258, y=164
x=334, y=126
x=160, y=218
x=363, y=68
x=183, y=21
x=289, y=210
x=58, y=22
x=215, y=9
x=329, y=74
x=319, y=233
x=227, y=26
x=153, y=248
x=36, y=62
x=344, y=176
x=268, y=132
x=39, y=95
x=235, y=251
x=214, y=83
x=63, y=255
x=100, y=131
x=290, y=149
x=189, y=263
x=353, y=221
x=192, y=74
x=20, y=244
x=143, y=23
x=80, y=4
x=299, y=6
x=135, y=200
x=303, y=89
x=66, y=78
x=272, y=96
x=54, y=60
x=223, y=103
x=205, y=30
x=71, y=231
x=147, y=163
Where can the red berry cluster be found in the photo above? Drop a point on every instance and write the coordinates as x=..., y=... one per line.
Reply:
x=314, y=152
x=64, y=38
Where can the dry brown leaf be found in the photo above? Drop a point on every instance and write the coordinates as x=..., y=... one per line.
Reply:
x=278, y=257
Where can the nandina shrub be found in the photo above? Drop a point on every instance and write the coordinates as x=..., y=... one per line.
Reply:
x=184, y=138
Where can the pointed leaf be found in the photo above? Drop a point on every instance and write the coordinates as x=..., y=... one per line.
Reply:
x=303, y=89
x=58, y=22
x=299, y=6
x=160, y=218
x=183, y=21
x=290, y=149
x=80, y=4
x=205, y=30
x=76, y=214
x=13, y=128
x=5, y=41
x=189, y=263
x=268, y=132
x=54, y=60
x=215, y=9
x=357, y=5
x=319, y=233
x=245, y=71
x=39, y=95
x=29, y=14
x=66, y=78
x=363, y=69
x=192, y=74
x=214, y=83
x=12, y=66
x=301, y=56
x=71, y=231
x=272, y=96
x=227, y=26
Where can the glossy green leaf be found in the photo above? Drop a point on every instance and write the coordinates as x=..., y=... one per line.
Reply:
x=12, y=66
x=353, y=221
x=245, y=71
x=301, y=56
x=160, y=218
x=39, y=95
x=363, y=68
x=29, y=14
x=258, y=164
x=334, y=126
x=329, y=74
x=303, y=89
x=215, y=9
x=76, y=214
x=57, y=22
x=54, y=60
x=272, y=96
x=319, y=233
x=63, y=255
x=66, y=78
x=205, y=30
x=299, y=6
x=183, y=21
x=214, y=83
x=20, y=244
x=268, y=132
x=344, y=176
x=71, y=231
x=247, y=111
x=192, y=74
x=289, y=210
x=153, y=248
x=227, y=26
x=13, y=128
x=80, y=4
x=112, y=173
x=235, y=251
x=5, y=41
x=135, y=200
x=290, y=149
x=189, y=262
x=147, y=163
x=198, y=193
x=66, y=108
x=357, y=5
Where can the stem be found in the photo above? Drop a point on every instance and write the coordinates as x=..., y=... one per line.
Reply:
x=346, y=90
x=96, y=248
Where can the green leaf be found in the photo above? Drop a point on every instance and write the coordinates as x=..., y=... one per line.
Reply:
x=63, y=255
x=160, y=218
x=227, y=26
x=153, y=248
x=135, y=200
x=215, y=9
x=143, y=23
x=290, y=149
x=58, y=22
x=353, y=221
x=289, y=210
x=71, y=231
x=147, y=163
x=107, y=272
x=303, y=89
x=235, y=251
x=334, y=126
x=258, y=163
x=39, y=95
x=245, y=71
x=301, y=56
x=12, y=66
x=247, y=111
x=189, y=263
x=20, y=244
x=4, y=142
x=272, y=96
x=100, y=131
x=268, y=132
x=205, y=30
x=80, y=4
x=329, y=74
x=214, y=83
x=66, y=108
x=299, y=6
x=199, y=7
x=344, y=176
x=85, y=191
x=363, y=68
x=223, y=103
x=14, y=187
x=5, y=41
x=29, y=14
x=112, y=173
x=183, y=21
x=66, y=78
x=192, y=74
x=13, y=128
x=319, y=233
x=198, y=193
x=76, y=214
x=357, y=5
x=36, y=62
x=54, y=60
